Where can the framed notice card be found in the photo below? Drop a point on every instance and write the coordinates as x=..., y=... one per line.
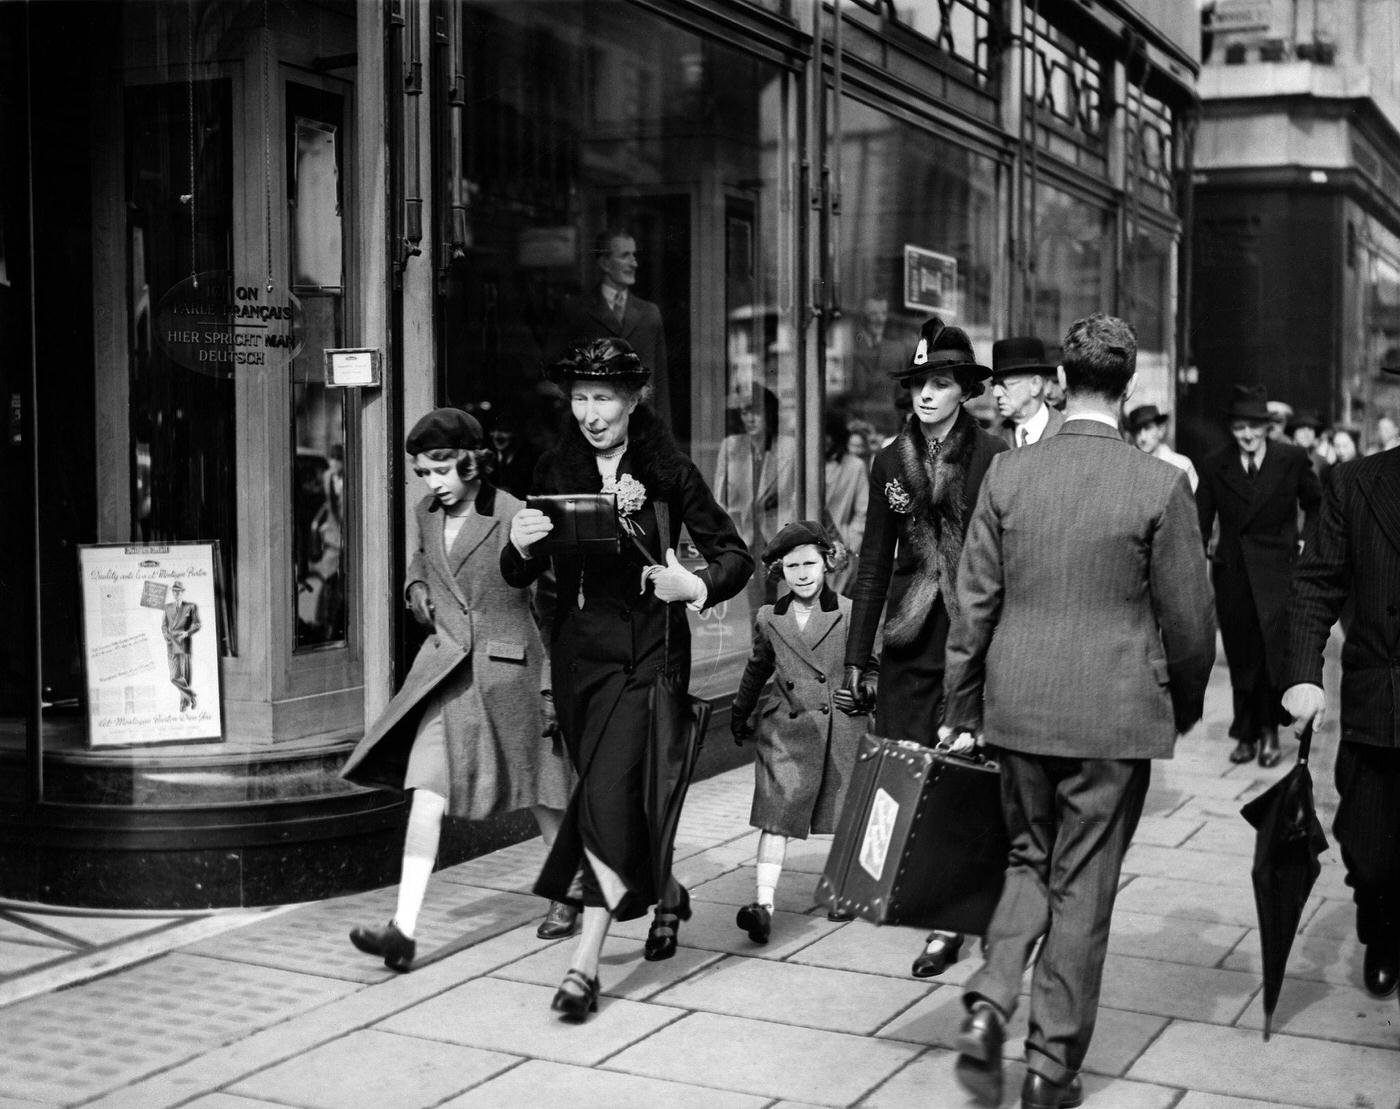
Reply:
x=352, y=368
x=151, y=642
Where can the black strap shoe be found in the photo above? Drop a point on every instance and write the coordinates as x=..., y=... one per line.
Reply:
x=1038, y=1092
x=941, y=952
x=978, y=1067
x=577, y=996
x=756, y=920
x=665, y=927
x=396, y=949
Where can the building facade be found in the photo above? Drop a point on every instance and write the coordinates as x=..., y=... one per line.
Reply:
x=1296, y=219
x=244, y=245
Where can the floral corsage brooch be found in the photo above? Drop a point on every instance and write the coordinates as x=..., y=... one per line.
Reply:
x=631, y=496
x=898, y=496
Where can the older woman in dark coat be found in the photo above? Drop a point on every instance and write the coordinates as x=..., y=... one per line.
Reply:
x=466, y=732
x=609, y=640
x=923, y=487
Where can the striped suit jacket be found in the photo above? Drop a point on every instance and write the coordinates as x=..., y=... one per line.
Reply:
x=1087, y=623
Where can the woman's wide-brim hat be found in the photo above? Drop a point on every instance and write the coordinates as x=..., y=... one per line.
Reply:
x=1249, y=402
x=1306, y=417
x=1143, y=415
x=600, y=360
x=943, y=348
x=444, y=429
x=795, y=535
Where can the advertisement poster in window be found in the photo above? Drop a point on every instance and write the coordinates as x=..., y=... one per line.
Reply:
x=931, y=283
x=151, y=643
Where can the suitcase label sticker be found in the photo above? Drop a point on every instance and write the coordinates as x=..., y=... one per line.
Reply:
x=884, y=810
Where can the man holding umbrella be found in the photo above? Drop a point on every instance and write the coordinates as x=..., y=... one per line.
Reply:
x=1354, y=554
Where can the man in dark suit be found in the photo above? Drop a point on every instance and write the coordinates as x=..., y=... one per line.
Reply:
x=1353, y=554
x=1020, y=371
x=1255, y=487
x=1083, y=646
x=181, y=620
x=612, y=310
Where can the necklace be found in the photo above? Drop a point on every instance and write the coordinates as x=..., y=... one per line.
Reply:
x=612, y=452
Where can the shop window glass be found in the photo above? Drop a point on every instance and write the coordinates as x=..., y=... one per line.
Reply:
x=1151, y=147
x=1065, y=93
x=919, y=237
x=590, y=116
x=1072, y=267
x=322, y=566
x=1148, y=278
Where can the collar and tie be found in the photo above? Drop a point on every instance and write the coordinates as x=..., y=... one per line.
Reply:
x=1022, y=436
x=619, y=304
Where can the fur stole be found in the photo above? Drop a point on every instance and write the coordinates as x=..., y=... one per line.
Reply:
x=652, y=456
x=937, y=520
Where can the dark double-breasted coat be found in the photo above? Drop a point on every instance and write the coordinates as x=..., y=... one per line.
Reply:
x=608, y=641
x=914, y=526
x=497, y=758
x=806, y=748
x=1255, y=553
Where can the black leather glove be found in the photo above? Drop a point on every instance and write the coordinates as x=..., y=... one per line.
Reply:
x=420, y=603
x=739, y=726
x=869, y=687
x=849, y=697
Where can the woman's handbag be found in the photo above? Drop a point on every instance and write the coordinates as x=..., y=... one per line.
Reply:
x=582, y=522
x=921, y=839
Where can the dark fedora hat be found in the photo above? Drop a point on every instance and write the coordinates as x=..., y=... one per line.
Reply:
x=1307, y=417
x=1143, y=415
x=944, y=348
x=600, y=360
x=1021, y=354
x=1249, y=402
x=444, y=429
x=794, y=535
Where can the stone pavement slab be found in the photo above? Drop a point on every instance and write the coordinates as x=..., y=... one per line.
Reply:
x=1193, y=900
x=1176, y=989
x=622, y=970
x=536, y=1083
x=712, y=928
x=1315, y=956
x=373, y=1070
x=15, y=957
x=796, y=893
x=1325, y=1012
x=228, y=1101
x=501, y=1015
x=789, y=993
x=930, y=1082
x=1196, y=1100
x=1288, y=1070
x=104, y=1034
x=1119, y=1038
x=1334, y=917
x=17, y=1103
x=1165, y=831
x=887, y=950
x=1174, y=941
x=772, y=1060
x=93, y=930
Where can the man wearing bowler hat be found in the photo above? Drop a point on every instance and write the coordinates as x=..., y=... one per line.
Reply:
x=1255, y=487
x=1147, y=425
x=1019, y=373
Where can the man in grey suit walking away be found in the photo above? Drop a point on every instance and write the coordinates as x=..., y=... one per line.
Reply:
x=1084, y=643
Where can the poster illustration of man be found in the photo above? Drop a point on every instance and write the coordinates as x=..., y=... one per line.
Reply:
x=181, y=621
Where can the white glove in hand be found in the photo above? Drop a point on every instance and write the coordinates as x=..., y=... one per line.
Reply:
x=1305, y=702
x=673, y=582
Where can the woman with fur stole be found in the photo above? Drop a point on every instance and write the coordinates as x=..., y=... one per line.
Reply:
x=923, y=487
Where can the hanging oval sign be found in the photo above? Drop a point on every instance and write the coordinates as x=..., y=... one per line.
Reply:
x=212, y=325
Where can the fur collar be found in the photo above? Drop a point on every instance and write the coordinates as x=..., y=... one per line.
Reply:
x=936, y=522
x=652, y=455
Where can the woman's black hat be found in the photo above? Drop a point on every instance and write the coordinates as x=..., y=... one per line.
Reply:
x=444, y=429
x=1143, y=415
x=796, y=535
x=600, y=360
x=1249, y=402
x=944, y=348
x=1306, y=417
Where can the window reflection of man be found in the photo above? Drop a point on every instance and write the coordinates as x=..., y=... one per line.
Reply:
x=878, y=355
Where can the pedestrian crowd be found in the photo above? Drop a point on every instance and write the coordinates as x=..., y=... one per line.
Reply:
x=1039, y=594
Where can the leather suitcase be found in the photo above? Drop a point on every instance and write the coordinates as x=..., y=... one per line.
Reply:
x=920, y=840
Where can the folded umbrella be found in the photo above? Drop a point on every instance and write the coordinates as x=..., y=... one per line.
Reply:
x=1288, y=842
x=677, y=731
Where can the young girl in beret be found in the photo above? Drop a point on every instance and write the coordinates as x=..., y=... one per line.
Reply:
x=805, y=749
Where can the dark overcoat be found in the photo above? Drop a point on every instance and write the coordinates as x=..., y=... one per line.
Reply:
x=1256, y=550
x=608, y=641
x=806, y=748
x=497, y=758
x=1057, y=421
x=1354, y=552
x=914, y=527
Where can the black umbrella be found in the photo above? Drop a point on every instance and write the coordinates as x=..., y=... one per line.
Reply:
x=677, y=727
x=1289, y=840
